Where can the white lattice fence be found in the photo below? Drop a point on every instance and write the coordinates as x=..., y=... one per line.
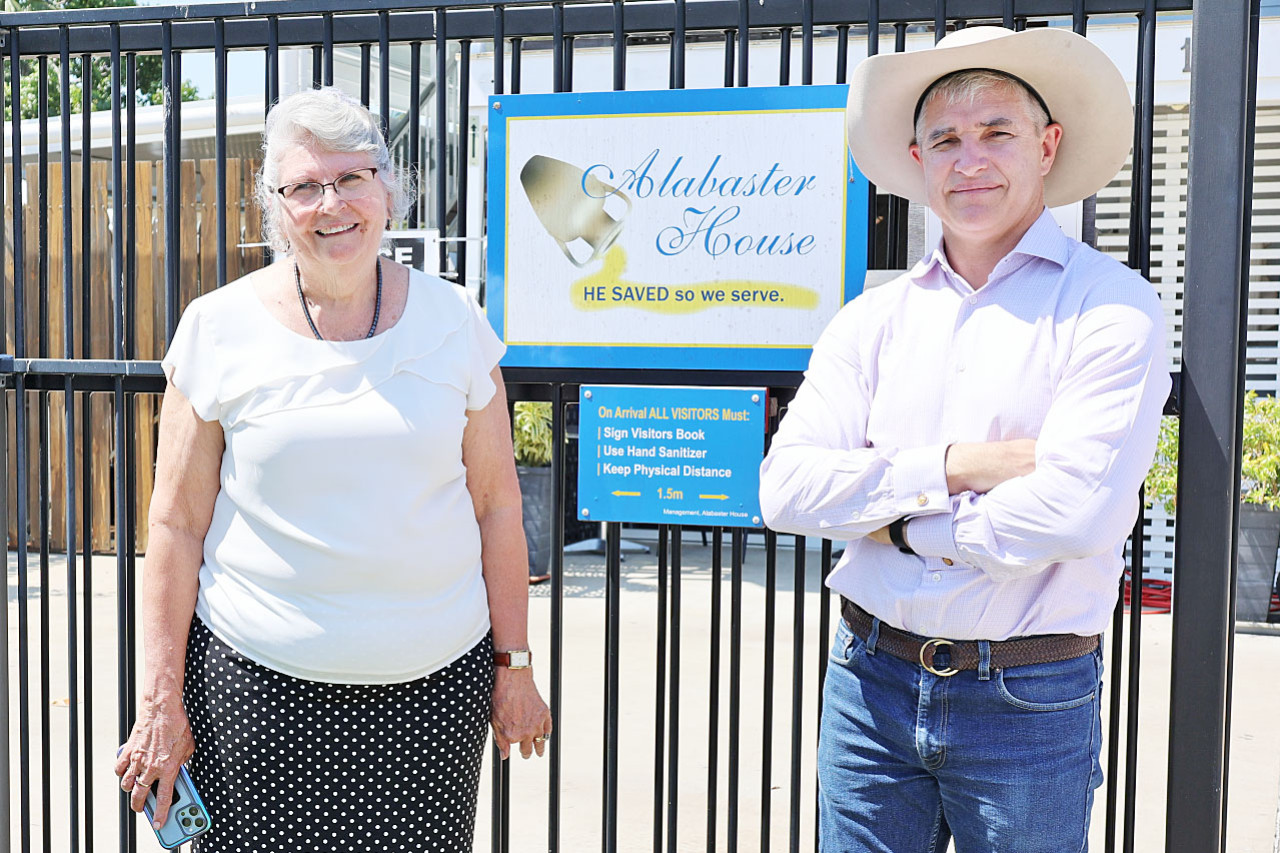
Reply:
x=1168, y=246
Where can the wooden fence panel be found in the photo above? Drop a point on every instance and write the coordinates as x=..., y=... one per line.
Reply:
x=197, y=274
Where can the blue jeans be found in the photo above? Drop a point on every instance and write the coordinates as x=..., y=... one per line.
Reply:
x=1004, y=761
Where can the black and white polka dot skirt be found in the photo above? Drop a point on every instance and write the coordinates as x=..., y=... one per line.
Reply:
x=285, y=764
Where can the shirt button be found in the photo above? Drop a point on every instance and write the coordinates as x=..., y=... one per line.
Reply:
x=922, y=499
x=959, y=368
x=937, y=576
x=946, y=561
x=856, y=515
x=973, y=300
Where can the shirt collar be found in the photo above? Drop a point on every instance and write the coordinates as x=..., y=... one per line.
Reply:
x=1044, y=239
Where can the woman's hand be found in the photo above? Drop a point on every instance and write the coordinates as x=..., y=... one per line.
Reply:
x=158, y=746
x=519, y=715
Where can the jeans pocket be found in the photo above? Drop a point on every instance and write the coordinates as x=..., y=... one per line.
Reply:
x=844, y=646
x=1058, y=686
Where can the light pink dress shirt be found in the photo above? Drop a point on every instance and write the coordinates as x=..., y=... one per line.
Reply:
x=1063, y=345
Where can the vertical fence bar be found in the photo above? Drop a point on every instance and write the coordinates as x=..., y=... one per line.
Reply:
x=557, y=47
x=677, y=46
x=441, y=137
x=17, y=211
x=415, y=119
x=42, y=236
x=86, y=345
x=220, y=146
x=366, y=73
x=567, y=72
x=824, y=642
x=516, y=45
x=272, y=62
x=735, y=682
x=1113, y=717
x=806, y=42
x=660, y=691
x=128, y=340
x=68, y=436
x=939, y=20
x=613, y=644
x=895, y=248
x=6, y=819
x=1007, y=16
x=317, y=66
x=464, y=96
x=842, y=52
x=384, y=73
x=873, y=48
x=619, y=46
x=1219, y=180
x=713, y=690
x=729, y=58
x=744, y=38
x=24, y=568
x=558, y=500
x=673, y=708
x=20, y=442
x=797, y=689
x=1139, y=259
x=770, y=631
x=327, y=19
x=499, y=50
x=172, y=93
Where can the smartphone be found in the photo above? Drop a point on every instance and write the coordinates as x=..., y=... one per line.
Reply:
x=187, y=815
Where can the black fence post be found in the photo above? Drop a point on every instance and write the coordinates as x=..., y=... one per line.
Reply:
x=1220, y=174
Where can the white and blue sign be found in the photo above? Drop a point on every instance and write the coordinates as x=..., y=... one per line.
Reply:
x=716, y=229
x=671, y=455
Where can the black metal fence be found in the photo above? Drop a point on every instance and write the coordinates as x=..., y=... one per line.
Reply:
x=63, y=387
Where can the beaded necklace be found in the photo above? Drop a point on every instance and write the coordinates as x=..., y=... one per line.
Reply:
x=377, y=304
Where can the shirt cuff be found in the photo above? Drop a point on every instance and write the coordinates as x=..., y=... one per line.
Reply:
x=931, y=536
x=920, y=480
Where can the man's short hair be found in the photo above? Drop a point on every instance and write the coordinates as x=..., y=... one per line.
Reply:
x=968, y=85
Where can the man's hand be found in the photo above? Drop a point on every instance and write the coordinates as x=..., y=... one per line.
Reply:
x=980, y=467
x=880, y=535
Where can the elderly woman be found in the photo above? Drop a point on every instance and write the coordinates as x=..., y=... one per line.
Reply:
x=336, y=505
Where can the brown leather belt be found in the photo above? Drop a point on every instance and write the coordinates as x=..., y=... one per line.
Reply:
x=1045, y=648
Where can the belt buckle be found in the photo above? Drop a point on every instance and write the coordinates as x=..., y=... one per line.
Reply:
x=926, y=657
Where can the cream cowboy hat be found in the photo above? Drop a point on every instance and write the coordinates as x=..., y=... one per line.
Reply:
x=1082, y=88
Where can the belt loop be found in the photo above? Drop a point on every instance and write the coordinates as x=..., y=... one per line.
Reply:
x=874, y=636
x=984, y=660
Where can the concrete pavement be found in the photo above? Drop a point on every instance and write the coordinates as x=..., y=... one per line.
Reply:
x=1254, y=787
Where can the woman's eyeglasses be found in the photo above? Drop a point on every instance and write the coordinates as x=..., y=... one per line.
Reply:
x=353, y=185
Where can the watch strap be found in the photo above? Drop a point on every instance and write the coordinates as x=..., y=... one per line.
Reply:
x=898, y=537
x=514, y=659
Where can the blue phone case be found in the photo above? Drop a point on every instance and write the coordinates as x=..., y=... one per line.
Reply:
x=187, y=815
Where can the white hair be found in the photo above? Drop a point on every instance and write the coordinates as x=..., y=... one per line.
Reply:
x=331, y=120
x=965, y=87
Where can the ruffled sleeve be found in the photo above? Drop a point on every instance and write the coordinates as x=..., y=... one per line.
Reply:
x=190, y=362
x=486, y=352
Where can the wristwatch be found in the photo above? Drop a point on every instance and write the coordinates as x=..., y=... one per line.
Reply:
x=514, y=659
x=898, y=536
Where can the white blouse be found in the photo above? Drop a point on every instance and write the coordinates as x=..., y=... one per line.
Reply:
x=344, y=546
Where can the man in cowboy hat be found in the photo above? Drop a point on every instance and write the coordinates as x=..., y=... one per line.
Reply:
x=977, y=430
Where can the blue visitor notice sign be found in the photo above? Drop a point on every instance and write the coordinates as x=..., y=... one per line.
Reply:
x=671, y=454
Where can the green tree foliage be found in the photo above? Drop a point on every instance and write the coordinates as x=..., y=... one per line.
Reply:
x=148, y=74
x=1259, y=464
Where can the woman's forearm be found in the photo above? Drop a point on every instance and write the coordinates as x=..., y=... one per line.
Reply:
x=506, y=576
x=170, y=580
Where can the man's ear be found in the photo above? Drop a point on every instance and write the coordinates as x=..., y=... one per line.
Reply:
x=915, y=153
x=1049, y=143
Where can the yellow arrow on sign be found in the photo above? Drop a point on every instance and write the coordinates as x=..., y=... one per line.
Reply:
x=714, y=497
x=626, y=494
